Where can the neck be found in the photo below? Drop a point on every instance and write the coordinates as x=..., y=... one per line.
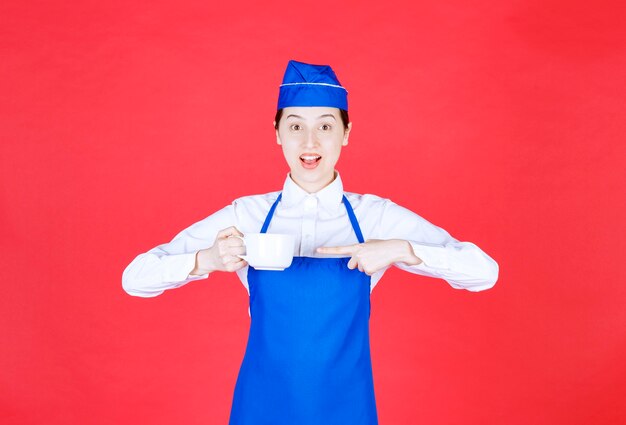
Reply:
x=314, y=187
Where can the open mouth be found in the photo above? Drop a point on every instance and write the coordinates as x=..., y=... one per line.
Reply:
x=310, y=161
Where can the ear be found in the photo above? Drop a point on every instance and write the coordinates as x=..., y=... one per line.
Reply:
x=346, y=134
x=277, y=136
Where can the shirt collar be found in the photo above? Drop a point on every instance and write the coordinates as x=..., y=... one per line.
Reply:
x=329, y=198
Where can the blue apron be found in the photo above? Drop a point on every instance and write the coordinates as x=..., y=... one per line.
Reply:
x=307, y=361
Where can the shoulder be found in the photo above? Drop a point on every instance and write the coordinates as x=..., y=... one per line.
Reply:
x=244, y=212
x=367, y=203
x=370, y=204
x=257, y=200
x=253, y=205
x=366, y=199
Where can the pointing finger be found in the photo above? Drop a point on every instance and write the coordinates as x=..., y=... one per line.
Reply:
x=348, y=249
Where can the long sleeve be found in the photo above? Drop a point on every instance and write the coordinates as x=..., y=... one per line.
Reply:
x=315, y=220
x=462, y=264
x=167, y=266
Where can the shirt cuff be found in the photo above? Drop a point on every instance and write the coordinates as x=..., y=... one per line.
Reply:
x=178, y=267
x=432, y=256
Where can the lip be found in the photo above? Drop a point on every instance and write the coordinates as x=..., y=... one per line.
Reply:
x=310, y=160
x=310, y=154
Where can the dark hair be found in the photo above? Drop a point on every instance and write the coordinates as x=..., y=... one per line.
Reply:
x=344, y=118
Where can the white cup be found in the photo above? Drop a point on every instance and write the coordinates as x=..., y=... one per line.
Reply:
x=268, y=251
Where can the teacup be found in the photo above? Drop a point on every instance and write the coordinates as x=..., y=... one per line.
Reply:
x=268, y=251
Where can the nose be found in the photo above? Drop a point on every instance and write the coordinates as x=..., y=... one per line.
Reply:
x=311, y=139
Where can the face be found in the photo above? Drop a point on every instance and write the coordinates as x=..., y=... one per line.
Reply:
x=311, y=138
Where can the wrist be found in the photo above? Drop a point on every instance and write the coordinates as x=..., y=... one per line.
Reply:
x=407, y=255
x=203, y=264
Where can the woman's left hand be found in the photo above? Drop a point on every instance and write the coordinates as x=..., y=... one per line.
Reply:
x=374, y=254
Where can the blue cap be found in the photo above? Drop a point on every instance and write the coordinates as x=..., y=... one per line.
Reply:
x=311, y=85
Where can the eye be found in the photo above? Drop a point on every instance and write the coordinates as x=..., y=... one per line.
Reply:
x=295, y=127
x=325, y=127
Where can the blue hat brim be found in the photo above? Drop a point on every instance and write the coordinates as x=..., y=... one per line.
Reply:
x=313, y=95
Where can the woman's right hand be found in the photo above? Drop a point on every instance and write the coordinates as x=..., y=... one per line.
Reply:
x=223, y=255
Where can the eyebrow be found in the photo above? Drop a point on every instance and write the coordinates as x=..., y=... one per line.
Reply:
x=321, y=116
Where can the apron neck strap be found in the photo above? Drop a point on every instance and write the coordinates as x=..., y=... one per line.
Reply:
x=270, y=214
x=353, y=220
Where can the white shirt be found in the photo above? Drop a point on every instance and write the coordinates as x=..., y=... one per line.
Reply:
x=316, y=219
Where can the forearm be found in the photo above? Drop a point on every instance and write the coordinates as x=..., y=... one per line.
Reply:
x=462, y=264
x=150, y=274
x=173, y=264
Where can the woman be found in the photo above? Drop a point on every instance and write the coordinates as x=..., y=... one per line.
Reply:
x=307, y=360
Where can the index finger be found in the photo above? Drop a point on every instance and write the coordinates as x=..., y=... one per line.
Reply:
x=229, y=231
x=347, y=249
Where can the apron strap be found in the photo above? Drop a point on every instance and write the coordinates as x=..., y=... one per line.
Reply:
x=270, y=214
x=353, y=220
x=349, y=210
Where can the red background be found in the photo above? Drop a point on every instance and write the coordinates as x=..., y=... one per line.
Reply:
x=124, y=122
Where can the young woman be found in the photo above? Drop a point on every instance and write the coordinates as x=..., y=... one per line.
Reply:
x=307, y=360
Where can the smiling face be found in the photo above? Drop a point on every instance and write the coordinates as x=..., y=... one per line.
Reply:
x=311, y=138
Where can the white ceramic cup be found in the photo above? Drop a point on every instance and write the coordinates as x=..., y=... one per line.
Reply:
x=268, y=251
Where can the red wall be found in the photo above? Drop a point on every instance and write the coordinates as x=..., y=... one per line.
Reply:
x=124, y=122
